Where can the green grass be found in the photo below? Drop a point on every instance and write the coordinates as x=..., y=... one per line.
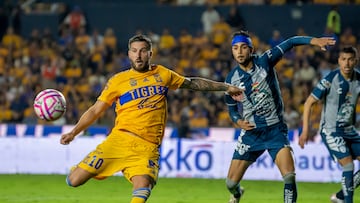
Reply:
x=53, y=189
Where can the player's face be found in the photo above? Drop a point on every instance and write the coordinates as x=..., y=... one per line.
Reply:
x=347, y=63
x=139, y=55
x=241, y=53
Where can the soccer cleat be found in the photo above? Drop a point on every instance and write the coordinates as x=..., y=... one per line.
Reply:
x=334, y=199
x=236, y=199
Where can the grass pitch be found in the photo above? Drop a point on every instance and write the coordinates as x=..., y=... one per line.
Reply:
x=53, y=189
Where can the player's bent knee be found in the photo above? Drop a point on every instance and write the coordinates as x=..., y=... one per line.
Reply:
x=289, y=178
x=231, y=184
x=348, y=167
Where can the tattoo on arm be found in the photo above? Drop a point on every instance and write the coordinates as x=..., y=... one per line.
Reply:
x=196, y=83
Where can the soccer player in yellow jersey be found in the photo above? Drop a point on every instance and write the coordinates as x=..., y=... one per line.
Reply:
x=132, y=146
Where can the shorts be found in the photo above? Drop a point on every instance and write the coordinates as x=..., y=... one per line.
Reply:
x=340, y=145
x=253, y=143
x=127, y=153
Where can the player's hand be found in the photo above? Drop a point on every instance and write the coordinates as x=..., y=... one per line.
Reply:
x=236, y=93
x=67, y=138
x=246, y=125
x=303, y=139
x=323, y=42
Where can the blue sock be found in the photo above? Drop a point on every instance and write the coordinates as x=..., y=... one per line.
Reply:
x=340, y=194
x=290, y=193
x=347, y=182
x=290, y=189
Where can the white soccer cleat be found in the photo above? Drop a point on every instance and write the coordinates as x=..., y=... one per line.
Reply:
x=334, y=199
x=234, y=199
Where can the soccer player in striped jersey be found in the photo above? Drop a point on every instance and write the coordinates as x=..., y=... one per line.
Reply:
x=339, y=91
x=133, y=144
x=260, y=115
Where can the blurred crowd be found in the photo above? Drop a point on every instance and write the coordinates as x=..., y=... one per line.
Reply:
x=255, y=2
x=78, y=62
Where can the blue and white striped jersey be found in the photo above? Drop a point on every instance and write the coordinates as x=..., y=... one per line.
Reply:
x=339, y=98
x=262, y=103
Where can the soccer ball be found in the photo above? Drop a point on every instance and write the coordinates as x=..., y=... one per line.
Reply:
x=49, y=104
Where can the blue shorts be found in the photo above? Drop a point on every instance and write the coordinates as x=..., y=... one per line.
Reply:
x=340, y=145
x=251, y=144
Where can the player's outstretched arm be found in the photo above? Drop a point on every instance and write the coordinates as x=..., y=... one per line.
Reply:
x=93, y=113
x=304, y=137
x=202, y=84
x=323, y=42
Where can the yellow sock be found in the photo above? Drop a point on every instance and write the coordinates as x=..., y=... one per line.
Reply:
x=137, y=200
x=140, y=195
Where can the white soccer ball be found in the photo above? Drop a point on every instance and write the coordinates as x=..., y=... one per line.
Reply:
x=49, y=104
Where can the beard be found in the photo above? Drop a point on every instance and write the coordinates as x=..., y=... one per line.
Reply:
x=143, y=67
x=244, y=62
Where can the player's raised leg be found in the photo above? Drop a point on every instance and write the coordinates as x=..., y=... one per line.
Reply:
x=78, y=176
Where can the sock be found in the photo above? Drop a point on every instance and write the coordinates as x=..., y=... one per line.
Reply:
x=233, y=187
x=290, y=189
x=340, y=194
x=347, y=182
x=140, y=195
x=68, y=181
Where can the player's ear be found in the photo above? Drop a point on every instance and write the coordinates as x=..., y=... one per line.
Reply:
x=251, y=50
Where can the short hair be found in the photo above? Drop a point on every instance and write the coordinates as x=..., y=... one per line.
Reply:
x=241, y=36
x=241, y=32
x=140, y=38
x=350, y=50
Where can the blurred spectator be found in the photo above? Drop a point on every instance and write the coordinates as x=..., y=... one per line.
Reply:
x=167, y=42
x=48, y=73
x=347, y=38
x=291, y=116
x=75, y=20
x=11, y=39
x=82, y=41
x=234, y=19
x=220, y=33
x=35, y=37
x=208, y=18
x=324, y=68
x=306, y=73
x=110, y=43
x=333, y=21
x=275, y=39
x=96, y=39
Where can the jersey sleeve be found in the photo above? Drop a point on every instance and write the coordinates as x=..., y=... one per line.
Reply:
x=321, y=88
x=275, y=54
x=233, y=106
x=176, y=80
x=110, y=92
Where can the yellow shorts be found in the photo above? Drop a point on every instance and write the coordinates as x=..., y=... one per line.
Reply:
x=124, y=152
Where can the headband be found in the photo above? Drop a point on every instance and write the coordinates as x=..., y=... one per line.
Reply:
x=241, y=38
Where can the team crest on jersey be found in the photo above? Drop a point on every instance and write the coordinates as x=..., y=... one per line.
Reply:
x=146, y=80
x=157, y=78
x=254, y=86
x=151, y=164
x=133, y=82
x=325, y=83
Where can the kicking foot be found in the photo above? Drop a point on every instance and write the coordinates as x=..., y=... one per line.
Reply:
x=334, y=199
